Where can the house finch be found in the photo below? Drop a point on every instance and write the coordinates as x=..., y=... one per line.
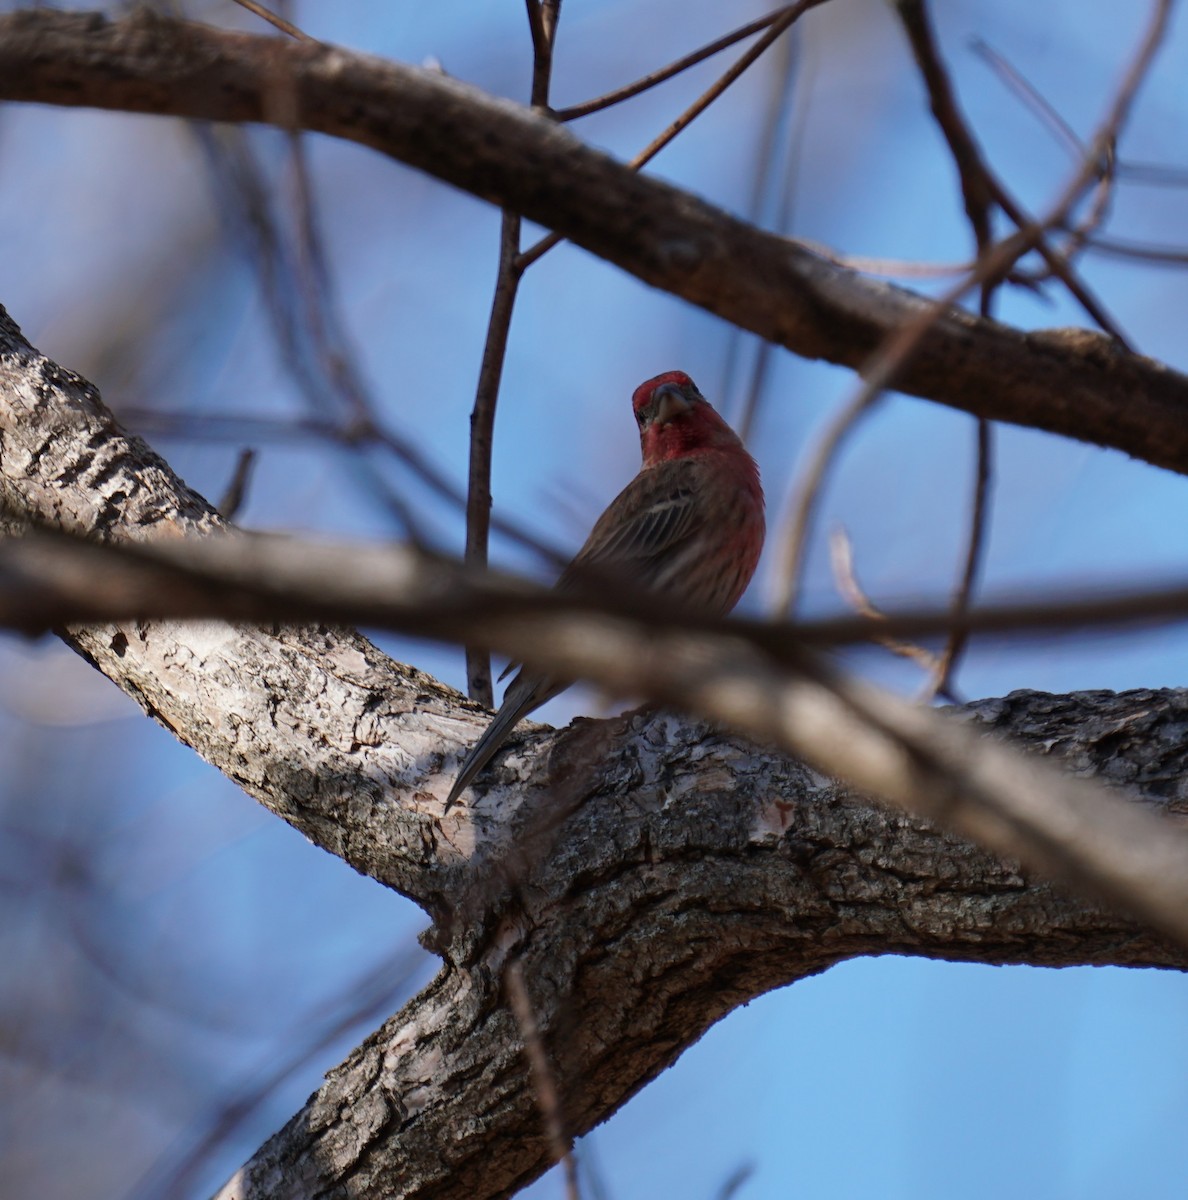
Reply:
x=689, y=525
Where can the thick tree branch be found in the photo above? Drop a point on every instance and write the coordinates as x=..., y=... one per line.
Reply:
x=1069, y=382
x=695, y=876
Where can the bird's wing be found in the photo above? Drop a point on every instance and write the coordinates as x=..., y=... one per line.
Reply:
x=653, y=515
x=650, y=518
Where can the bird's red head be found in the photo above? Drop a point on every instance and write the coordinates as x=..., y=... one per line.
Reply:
x=676, y=420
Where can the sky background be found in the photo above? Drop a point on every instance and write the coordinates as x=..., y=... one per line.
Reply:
x=166, y=945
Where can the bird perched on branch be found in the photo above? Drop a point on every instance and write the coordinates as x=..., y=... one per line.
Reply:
x=689, y=526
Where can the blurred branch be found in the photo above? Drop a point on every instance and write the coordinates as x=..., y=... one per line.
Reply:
x=783, y=697
x=1157, y=175
x=560, y=1143
x=1030, y=95
x=48, y=579
x=841, y=555
x=967, y=156
x=888, y=365
x=236, y=492
x=1113, y=247
x=279, y=22
x=980, y=187
x=241, y=426
x=298, y=293
x=1068, y=382
x=359, y=1004
x=778, y=115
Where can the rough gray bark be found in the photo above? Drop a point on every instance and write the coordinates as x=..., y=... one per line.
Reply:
x=1066, y=381
x=698, y=876
x=688, y=873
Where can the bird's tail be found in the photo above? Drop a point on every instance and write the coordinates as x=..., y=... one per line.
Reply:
x=522, y=696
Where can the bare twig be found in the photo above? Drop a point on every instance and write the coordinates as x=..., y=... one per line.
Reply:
x=236, y=492
x=299, y=300
x=841, y=556
x=979, y=192
x=665, y=73
x=980, y=186
x=358, y=1005
x=734, y=1182
x=1018, y=83
x=482, y=430
x=781, y=23
x=279, y=22
x=542, y=24
x=941, y=682
x=781, y=108
x=728, y=77
x=967, y=155
x=811, y=484
x=991, y=265
x=1160, y=256
x=543, y=1079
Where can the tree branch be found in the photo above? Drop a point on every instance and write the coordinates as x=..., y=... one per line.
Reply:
x=1069, y=382
x=698, y=875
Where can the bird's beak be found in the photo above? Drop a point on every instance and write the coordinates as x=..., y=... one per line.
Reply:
x=669, y=401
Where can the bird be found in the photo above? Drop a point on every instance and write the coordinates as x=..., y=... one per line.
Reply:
x=688, y=527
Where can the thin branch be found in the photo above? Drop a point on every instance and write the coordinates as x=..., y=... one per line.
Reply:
x=543, y=1079
x=1157, y=175
x=542, y=24
x=841, y=557
x=1031, y=96
x=1059, y=266
x=809, y=488
x=712, y=93
x=781, y=107
x=299, y=298
x=993, y=264
x=941, y=682
x=665, y=73
x=284, y=26
x=359, y=1005
x=980, y=186
x=967, y=155
x=240, y=427
x=1161, y=256
x=482, y=432
x=236, y=492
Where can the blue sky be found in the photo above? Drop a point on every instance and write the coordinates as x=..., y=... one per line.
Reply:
x=203, y=934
